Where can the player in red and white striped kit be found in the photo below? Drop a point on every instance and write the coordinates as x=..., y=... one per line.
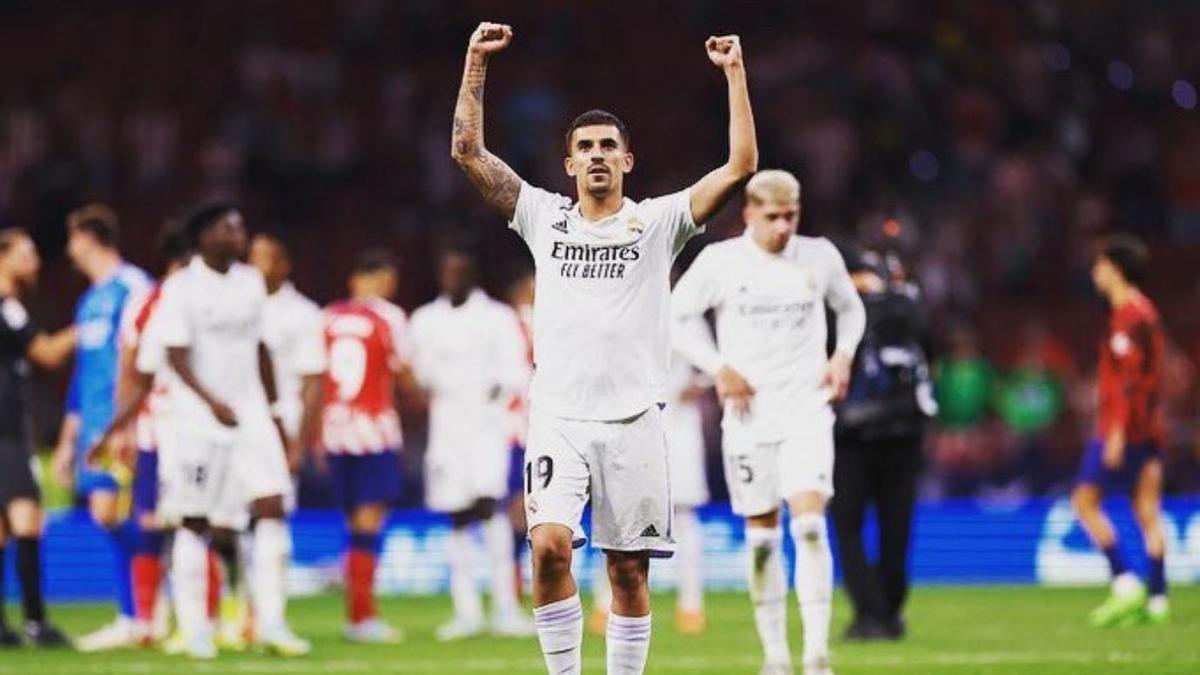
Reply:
x=361, y=435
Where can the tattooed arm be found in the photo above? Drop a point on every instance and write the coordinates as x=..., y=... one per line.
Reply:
x=494, y=179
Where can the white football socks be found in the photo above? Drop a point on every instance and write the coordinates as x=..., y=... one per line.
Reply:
x=189, y=583
x=814, y=582
x=497, y=536
x=768, y=591
x=560, y=633
x=272, y=549
x=689, y=553
x=464, y=593
x=627, y=644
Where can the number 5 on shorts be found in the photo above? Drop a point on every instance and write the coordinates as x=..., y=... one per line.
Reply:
x=544, y=472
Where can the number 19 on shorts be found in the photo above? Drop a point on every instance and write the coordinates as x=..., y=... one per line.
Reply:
x=541, y=470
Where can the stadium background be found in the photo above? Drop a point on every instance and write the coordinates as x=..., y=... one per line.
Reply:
x=1000, y=136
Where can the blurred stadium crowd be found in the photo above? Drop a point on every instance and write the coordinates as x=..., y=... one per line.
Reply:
x=989, y=141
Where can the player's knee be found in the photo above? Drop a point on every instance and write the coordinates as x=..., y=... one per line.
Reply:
x=551, y=553
x=1147, y=513
x=809, y=529
x=628, y=573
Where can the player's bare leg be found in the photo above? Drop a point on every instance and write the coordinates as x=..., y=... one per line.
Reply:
x=628, y=636
x=271, y=554
x=557, y=612
x=768, y=586
x=25, y=521
x=121, y=632
x=365, y=523
x=813, y=578
x=1147, y=509
x=1127, y=592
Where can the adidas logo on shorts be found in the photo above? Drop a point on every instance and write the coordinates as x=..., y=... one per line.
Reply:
x=650, y=531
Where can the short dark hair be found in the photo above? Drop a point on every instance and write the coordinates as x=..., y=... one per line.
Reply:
x=598, y=118
x=1128, y=254
x=373, y=260
x=462, y=244
x=204, y=216
x=98, y=220
x=173, y=242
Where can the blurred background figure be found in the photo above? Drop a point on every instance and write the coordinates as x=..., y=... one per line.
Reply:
x=470, y=355
x=879, y=435
x=22, y=343
x=365, y=339
x=93, y=237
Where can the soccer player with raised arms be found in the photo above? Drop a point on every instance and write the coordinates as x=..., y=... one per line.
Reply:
x=601, y=348
x=769, y=289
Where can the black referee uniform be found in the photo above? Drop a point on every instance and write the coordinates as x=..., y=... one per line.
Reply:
x=17, y=331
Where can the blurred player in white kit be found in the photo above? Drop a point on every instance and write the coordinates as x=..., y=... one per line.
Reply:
x=223, y=448
x=294, y=331
x=601, y=347
x=769, y=288
x=468, y=353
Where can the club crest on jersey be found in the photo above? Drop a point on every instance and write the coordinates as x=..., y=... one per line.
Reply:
x=635, y=226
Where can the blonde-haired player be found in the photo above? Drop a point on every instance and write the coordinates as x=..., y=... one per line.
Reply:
x=769, y=288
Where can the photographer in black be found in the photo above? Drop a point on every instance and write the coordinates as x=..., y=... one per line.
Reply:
x=878, y=436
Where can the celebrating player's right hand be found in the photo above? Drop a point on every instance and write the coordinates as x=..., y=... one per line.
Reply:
x=223, y=413
x=732, y=387
x=489, y=38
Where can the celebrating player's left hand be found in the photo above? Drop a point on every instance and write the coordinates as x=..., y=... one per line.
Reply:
x=837, y=376
x=724, y=51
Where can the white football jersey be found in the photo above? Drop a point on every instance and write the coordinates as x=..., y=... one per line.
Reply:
x=600, y=318
x=219, y=318
x=770, y=313
x=471, y=359
x=294, y=331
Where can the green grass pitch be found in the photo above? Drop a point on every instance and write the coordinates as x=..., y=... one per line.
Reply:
x=952, y=630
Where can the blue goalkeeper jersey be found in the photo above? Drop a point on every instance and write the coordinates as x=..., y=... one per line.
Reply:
x=93, y=390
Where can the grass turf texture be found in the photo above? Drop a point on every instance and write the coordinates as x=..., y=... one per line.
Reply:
x=951, y=630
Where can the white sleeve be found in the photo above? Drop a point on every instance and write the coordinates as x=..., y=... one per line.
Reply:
x=170, y=317
x=695, y=293
x=842, y=298
x=674, y=215
x=310, y=358
x=512, y=367
x=534, y=205
x=414, y=354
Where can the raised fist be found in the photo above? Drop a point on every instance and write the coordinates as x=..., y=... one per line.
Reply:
x=724, y=51
x=489, y=38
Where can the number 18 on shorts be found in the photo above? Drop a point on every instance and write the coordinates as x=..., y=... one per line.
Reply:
x=621, y=466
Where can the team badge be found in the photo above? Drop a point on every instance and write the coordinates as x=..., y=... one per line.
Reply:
x=634, y=226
